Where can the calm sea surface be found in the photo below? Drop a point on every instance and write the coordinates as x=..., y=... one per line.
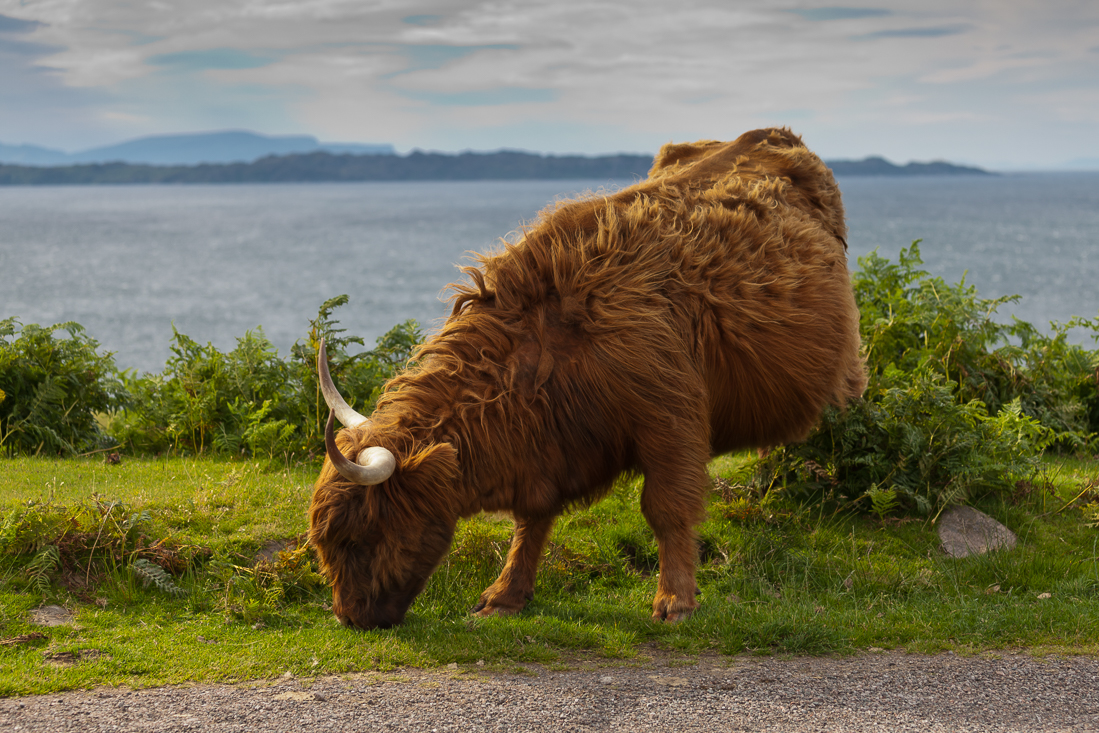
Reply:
x=129, y=261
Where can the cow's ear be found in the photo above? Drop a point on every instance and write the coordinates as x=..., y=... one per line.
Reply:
x=435, y=463
x=681, y=154
x=426, y=482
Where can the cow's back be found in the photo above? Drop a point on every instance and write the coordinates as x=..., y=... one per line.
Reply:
x=714, y=293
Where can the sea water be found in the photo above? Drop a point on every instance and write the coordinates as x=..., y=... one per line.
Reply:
x=131, y=262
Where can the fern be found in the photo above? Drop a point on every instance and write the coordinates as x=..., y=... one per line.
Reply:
x=152, y=574
x=957, y=405
x=137, y=518
x=910, y=433
x=44, y=563
x=53, y=388
x=883, y=501
x=273, y=594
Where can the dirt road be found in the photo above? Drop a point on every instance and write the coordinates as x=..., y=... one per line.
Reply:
x=874, y=692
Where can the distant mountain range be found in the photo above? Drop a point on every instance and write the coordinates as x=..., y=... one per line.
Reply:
x=245, y=157
x=317, y=167
x=878, y=166
x=233, y=146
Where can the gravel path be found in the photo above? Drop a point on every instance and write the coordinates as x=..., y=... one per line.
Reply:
x=874, y=692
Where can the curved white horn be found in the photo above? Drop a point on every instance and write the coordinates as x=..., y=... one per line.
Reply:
x=332, y=398
x=374, y=465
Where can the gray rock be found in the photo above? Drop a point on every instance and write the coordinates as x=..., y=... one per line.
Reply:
x=51, y=616
x=964, y=531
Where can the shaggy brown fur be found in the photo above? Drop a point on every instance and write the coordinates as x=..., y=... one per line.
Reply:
x=705, y=309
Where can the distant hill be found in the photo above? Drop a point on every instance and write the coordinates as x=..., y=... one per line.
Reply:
x=878, y=166
x=31, y=155
x=416, y=166
x=232, y=146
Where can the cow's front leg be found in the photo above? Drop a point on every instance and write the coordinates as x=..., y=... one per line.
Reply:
x=515, y=586
x=673, y=505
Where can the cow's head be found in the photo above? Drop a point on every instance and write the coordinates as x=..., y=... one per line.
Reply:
x=381, y=516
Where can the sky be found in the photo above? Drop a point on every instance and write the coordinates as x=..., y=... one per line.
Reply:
x=1004, y=84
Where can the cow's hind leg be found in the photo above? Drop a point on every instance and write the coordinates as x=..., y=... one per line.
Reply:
x=673, y=502
x=515, y=586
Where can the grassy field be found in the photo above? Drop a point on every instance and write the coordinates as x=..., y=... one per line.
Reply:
x=776, y=578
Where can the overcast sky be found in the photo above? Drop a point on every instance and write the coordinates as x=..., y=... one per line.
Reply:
x=999, y=83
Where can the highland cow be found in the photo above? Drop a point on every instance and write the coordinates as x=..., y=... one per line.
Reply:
x=705, y=309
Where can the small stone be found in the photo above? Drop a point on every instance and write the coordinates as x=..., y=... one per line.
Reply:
x=670, y=681
x=606, y=680
x=297, y=695
x=1045, y=595
x=51, y=616
x=452, y=665
x=480, y=662
x=965, y=531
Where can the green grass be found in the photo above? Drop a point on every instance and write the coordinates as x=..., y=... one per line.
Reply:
x=776, y=579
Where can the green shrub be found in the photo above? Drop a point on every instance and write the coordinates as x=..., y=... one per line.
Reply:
x=910, y=319
x=51, y=389
x=261, y=590
x=1059, y=382
x=359, y=377
x=205, y=399
x=90, y=540
x=249, y=400
x=957, y=404
x=910, y=444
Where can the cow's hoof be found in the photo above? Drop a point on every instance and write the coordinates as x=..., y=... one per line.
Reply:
x=673, y=617
x=485, y=610
x=489, y=611
x=501, y=603
x=674, y=609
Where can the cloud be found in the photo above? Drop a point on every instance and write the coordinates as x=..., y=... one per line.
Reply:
x=19, y=50
x=427, y=19
x=212, y=58
x=932, y=32
x=1079, y=104
x=37, y=106
x=486, y=97
x=568, y=76
x=16, y=49
x=17, y=25
x=436, y=56
x=837, y=13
